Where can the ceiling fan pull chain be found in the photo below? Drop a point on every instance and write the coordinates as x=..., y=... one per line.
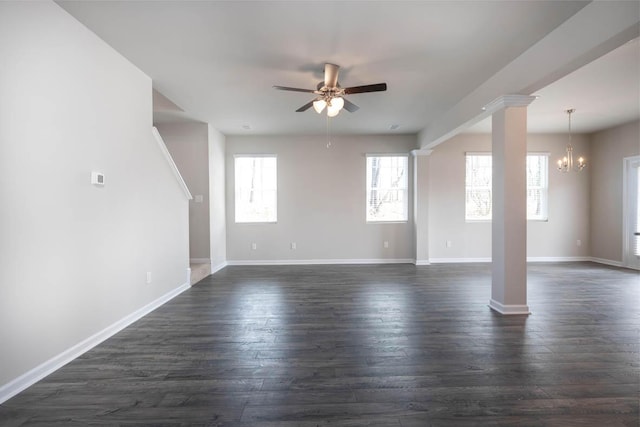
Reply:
x=328, y=140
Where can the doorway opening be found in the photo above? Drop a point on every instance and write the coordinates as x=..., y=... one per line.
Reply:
x=631, y=213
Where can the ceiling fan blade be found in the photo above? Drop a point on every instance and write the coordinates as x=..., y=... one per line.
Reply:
x=350, y=106
x=294, y=89
x=378, y=87
x=331, y=75
x=305, y=107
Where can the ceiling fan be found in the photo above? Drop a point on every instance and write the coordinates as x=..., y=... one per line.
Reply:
x=331, y=95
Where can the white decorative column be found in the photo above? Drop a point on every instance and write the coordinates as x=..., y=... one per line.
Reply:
x=420, y=205
x=509, y=205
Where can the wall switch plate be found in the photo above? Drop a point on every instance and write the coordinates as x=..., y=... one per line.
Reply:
x=199, y=198
x=449, y=243
x=579, y=242
x=148, y=277
x=293, y=246
x=254, y=246
x=97, y=178
x=385, y=244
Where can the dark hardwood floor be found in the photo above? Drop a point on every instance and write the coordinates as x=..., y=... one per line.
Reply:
x=385, y=345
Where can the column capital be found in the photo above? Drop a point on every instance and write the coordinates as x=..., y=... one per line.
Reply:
x=421, y=152
x=505, y=101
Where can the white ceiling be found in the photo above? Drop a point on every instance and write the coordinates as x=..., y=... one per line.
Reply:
x=218, y=60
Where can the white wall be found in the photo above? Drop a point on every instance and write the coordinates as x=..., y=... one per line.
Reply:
x=188, y=145
x=608, y=148
x=73, y=256
x=217, y=205
x=321, y=201
x=555, y=238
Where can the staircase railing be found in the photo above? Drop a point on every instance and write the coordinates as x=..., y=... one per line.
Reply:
x=172, y=164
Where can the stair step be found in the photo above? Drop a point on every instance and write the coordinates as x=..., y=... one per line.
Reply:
x=199, y=272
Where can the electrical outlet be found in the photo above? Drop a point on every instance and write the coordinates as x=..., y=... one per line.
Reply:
x=97, y=178
x=254, y=246
x=385, y=244
x=293, y=246
x=148, y=277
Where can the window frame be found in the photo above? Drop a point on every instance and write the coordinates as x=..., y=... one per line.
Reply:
x=405, y=189
x=236, y=188
x=545, y=187
x=490, y=187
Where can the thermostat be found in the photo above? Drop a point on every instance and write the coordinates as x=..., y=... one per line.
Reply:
x=97, y=178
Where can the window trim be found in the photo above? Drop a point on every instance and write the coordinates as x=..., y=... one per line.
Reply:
x=546, y=187
x=475, y=153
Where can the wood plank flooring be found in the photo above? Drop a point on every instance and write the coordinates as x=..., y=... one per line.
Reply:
x=385, y=345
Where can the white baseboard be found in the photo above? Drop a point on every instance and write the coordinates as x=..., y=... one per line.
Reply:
x=457, y=260
x=509, y=309
x=7, y=391
x=320, y=261
x=216, y=268
x=430, y=261
x=558, y=258
x=529, y=259
x=606, y=261
x=199, y=261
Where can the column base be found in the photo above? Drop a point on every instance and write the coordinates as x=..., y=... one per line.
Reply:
x=507, y=310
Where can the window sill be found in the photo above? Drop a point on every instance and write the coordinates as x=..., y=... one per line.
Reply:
x=388, y=222
x=255, y=222
x=488, y=221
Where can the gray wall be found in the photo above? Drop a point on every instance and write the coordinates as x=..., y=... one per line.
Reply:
x=217, y=205
x=557, y=237
x=608, y=148
x=188, y=145
x=321, y=201
x=73, y=256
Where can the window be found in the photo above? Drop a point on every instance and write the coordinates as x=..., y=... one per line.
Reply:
x=387, y=189
x=478, y=187
x=537, y=186
x=256, y=188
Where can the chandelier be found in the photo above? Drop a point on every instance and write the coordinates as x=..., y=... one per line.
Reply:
x=566, y=163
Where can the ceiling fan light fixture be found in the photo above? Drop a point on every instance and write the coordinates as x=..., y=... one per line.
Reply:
x=338, y=103
x=332, y=112
x=334, y=106
x=319, y=105
x=329, y=93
